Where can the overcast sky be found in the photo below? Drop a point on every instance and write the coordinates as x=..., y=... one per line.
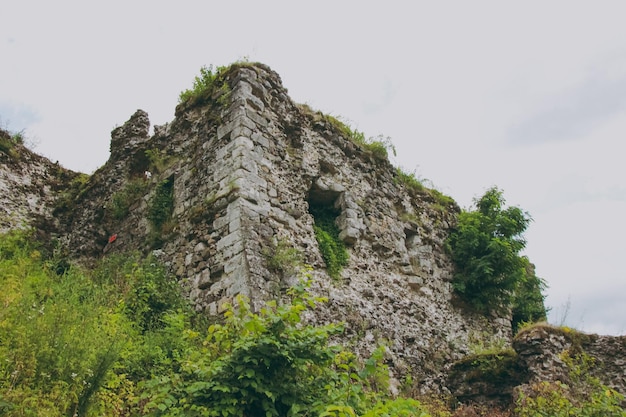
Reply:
x=528, y=96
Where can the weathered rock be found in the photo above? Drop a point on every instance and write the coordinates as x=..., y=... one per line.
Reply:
x=31, y=187
x=541, y=353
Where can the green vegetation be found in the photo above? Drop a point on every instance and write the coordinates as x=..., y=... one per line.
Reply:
x=162, y=203
x=78, y=186
x=332, y=248
x=159, y=160
x=528, y=300
x=270, y=364
x=121, y=341
x=410, y=180
x=67, y=340
x=121, y=201
x=8, y=142
x=490, y=273
x=205, y=84
x=494, y=368
x=583, y=396
x=415, y=186
x=160, y=211
x=284, y=257
x=378, y=146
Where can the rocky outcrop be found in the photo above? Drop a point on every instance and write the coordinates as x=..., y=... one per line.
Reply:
x=541, y=350
x=541, y=353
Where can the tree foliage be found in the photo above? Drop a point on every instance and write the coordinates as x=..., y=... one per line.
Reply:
x=528, y=300
x=485, y=247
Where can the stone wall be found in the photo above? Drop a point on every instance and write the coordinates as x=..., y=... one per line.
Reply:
x=246, y=164
x=29, y=188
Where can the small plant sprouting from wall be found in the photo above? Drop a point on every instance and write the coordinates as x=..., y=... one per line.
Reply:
x=331, y=247
x=158, y=159
x=206, y=83
x=410, y=180
x=67, y=199
x=378, y=146
x=122, y=200
x=160, y=211
x=284, y=257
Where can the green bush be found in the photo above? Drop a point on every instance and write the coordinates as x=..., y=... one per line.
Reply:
x=160, y=211
x=149, y=291
x=204, y=84
x=485, y=248
x=120, y=341
x=528, y=301
x=271, y=364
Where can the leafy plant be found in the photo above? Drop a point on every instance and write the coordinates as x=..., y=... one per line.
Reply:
x=58, y=335
x=254, y=364
x=78, y=343
x=204, y=84
x=485, y=248
x=528, y=301
x=160, y=211
x=332, y=248
x=148, y=291
x=270, y=363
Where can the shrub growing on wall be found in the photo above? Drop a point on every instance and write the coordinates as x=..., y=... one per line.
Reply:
x=485, y=247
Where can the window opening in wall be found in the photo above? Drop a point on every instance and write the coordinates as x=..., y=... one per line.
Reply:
x=333, y=250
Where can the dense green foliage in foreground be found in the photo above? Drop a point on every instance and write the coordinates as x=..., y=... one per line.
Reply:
x=491, y=274
x=120, y=341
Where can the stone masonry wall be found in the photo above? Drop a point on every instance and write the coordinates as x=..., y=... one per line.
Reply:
x=246, y=165
x=255, y=177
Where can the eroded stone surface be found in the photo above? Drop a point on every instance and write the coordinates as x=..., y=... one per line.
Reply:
x=245, y=167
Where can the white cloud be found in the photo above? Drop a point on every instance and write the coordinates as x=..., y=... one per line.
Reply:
x=456, y=86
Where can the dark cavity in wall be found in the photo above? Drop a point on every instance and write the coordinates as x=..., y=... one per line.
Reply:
x=322, y=206
x=160, y=212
